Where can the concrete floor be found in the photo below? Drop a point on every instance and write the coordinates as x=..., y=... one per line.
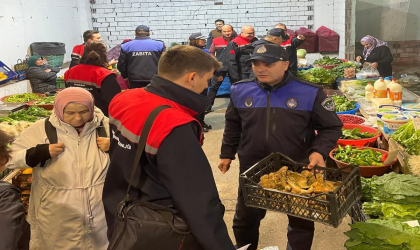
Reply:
x=274, y=227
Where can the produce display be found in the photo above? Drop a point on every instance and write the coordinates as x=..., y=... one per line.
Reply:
x=301, y=53
x=326, y=60
x=408, y=137
x=379, y=234
x=305, y=183
x=359, y=156
x=346, y=70
x=46, y=100
x=342, y=104
x=3, y=76
x=303, y=65
x=395, y=199
x=26, y=97
x=317, y=75
x=351, y=119
x=355, y=134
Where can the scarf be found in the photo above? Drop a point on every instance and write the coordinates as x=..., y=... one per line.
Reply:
x=73, y=95
x=32, y=61
x=373, y=44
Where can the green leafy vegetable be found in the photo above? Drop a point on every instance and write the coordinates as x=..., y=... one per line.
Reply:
x=46, y=100
x=301, y=53
x=342, y=104
x=339, y=70
x=31, y=115
x=380, y=234
x=397, y=188
x=326, y=60
x=317, y=75
x=27, y=97
x=355, y=134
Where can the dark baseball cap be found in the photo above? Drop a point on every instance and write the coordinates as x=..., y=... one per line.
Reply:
x=269, y=53
x=197, y=35
x=143, y=28
x=279, y=33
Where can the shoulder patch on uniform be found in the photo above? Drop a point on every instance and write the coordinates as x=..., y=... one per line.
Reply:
x=292, y=103
x=328, y=104
x=252, y=79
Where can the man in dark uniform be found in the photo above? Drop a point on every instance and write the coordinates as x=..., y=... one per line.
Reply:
x=276, y=112
x=274, y=36
x=177, y=172
x=239, y=51
x=291, y=44
x=139, y=58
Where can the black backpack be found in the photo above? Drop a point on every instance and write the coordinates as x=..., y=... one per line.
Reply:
x=51, y=131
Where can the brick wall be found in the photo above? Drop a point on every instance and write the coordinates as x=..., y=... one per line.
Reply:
x=405, y=51
x=175, y=20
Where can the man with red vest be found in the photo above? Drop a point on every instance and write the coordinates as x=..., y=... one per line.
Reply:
x=240, y=50
x=92, y=75
x=219, y=49
x=291, y=46
x=77, y=53
x=174, y=168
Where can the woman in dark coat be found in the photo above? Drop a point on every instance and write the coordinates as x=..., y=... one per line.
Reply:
x=43, y=78
x=378, y=54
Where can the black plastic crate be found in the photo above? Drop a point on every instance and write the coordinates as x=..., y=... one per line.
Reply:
x=329, y=211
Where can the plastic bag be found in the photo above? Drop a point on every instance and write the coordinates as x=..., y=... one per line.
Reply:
x=367, y=72
x=327, y=39
x=310, y=43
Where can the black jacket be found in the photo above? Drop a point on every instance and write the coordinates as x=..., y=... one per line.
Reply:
x=240, y=50
x=14, y=229
x=177, y=174
x=139, y=59
x=381, y=55
x=261, y=119
x=42, y=81
x=291, y=46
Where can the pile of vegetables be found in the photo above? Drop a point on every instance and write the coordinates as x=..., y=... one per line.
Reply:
x=339, y=70
x=351, y=119
x=27, y=97
x=355, y=134
x=30, y=115
x=46, y=100
x=379, y=234
x=394, y=198
x=359, y=156
x=342, y=104
x=301, y=53
x=326, y=60
x=317, y=75
x=408, y=137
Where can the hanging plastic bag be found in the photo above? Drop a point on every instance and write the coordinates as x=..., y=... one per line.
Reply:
x=367, y=72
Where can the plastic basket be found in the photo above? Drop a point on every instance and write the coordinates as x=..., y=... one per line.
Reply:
x=361, y=142
x=53, y=60
x=350, y=112
x=310, y=66
x=330, y=210
x=61, y=83
x=7, y=71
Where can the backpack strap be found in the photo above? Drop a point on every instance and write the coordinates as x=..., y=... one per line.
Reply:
x=51, y=131
x=101, y=130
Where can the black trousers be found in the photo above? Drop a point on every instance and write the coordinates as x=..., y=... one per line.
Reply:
x=246, y=224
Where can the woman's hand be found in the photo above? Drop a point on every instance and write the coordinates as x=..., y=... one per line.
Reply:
x=103, y=143
x=374, y=65
x=48, y=70
x=358, y=58
x=112, y=62
x=56, y=149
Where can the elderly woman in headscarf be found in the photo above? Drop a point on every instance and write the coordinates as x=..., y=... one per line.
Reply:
x=43, y=78
x=378, y=54
x=65, y=207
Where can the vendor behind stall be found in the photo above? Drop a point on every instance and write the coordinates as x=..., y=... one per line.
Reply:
x=42, y=77
x=378, y=54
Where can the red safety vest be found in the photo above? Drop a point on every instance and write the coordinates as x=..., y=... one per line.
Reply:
x=78, y=50
x=128, y=111
x=86, y=76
